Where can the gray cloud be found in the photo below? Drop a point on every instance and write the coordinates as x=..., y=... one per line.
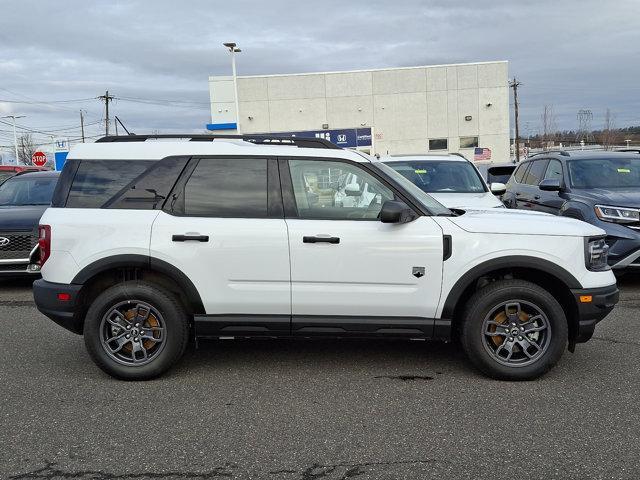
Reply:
x=571, y=54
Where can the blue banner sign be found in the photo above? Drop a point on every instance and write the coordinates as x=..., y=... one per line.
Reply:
x=344, y=137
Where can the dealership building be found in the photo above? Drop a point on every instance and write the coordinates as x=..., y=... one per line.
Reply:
x=444, y=108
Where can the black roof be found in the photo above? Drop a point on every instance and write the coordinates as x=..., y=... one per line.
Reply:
x=582, y=154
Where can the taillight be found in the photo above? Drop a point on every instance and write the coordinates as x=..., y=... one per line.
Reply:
x=44, y=242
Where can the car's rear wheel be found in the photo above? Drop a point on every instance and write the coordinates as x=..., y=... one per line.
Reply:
x=136, y=330
x=514, y=330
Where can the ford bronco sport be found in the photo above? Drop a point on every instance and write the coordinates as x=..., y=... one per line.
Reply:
x=153, y=240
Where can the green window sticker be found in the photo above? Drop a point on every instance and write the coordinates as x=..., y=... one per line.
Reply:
x=420, y=171
x=624, y=170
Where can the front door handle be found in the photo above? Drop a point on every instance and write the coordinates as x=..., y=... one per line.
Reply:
x=537, y=197
x=189, y=238
x=518, y=194
x=306, y=239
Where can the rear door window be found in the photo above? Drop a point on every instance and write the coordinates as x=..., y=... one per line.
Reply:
x=227, y=187
x=536, y=172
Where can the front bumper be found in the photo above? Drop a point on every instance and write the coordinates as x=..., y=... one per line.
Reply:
x=63, y=312
x=603, y=300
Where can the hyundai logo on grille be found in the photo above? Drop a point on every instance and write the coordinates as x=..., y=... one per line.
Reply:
x=4, y=241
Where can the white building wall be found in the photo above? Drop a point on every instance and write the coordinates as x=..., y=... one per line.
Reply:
x=406, y=107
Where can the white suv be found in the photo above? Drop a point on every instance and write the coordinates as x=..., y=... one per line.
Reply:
x=152, y=241
x=451, y=179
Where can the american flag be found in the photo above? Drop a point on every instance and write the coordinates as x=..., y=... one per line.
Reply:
x=482, y=153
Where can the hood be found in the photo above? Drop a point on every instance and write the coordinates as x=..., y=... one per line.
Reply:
x=519, y=222
x=615, y=197
x=20, y=218
x=468, y=200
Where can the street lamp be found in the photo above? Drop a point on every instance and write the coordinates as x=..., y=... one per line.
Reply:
x=15, y=138
x=233, y=49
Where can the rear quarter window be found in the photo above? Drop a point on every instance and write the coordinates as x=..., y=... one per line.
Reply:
x=519, y=173
x=97, y=181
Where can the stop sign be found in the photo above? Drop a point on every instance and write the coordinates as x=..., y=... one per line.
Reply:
x=39, y=159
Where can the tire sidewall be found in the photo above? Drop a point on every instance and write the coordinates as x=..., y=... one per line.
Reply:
x=175, y=330
x=473, y=335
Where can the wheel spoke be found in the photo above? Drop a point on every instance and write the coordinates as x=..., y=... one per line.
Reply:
x=116, y=337
x=513, y=316
x=496, y=334
x=138, y=347
x=121, y=343
x=151, y=337
x=526, y=343
x=142, y=313
x=534, y=329
x=120, y=317
x=533, y=319
x=508, y=347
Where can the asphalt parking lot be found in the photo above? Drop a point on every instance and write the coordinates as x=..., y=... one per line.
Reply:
x=315, y=409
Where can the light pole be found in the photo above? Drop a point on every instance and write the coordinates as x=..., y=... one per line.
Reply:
x=233, y=49
x=15, y=138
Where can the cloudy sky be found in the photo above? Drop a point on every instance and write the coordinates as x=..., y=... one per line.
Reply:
x=155, y=56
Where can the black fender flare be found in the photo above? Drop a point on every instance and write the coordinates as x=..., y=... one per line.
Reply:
x=501, y=263
x=146, y=262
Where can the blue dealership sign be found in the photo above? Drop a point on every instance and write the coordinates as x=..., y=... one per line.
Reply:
x=343, y=137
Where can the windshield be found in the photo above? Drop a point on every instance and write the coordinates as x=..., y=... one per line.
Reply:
x=27, y=191
x=427, y=201
x=441, y=176
x=605, y=173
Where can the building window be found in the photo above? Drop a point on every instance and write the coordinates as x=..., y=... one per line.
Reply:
x=468, y=142
x=438, y=144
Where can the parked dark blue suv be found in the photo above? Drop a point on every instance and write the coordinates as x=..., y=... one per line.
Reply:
x=598, y=187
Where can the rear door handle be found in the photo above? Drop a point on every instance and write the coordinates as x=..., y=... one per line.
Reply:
x=306, y=239
x=190, y=238
x=518, y=194
x=537, y=197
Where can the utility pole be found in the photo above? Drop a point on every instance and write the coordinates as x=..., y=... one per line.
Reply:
x=82, y=124
x=15, y=137
x=515, y=84
x=106, y=98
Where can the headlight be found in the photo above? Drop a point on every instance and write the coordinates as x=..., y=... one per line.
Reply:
x=596, y=254
x=617, y=214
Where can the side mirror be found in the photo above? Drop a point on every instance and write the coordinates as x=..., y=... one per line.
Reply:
x=352, y=190
x=394, y=211
x=498, y=188
x=550, y=185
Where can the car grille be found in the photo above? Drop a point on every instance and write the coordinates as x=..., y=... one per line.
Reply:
x=19, y=245
x=13, y=267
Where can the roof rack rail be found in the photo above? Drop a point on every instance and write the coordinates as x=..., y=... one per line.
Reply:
x=257, y=139
x=564, y=153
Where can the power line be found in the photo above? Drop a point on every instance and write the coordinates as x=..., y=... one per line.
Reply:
x=48, y=102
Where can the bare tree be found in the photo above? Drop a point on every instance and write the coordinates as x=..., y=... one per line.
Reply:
x=549, y=131
x=26, y=148
x=609, y=134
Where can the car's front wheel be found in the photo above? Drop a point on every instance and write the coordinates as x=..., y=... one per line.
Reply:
x=136, y=330
x=514, y=330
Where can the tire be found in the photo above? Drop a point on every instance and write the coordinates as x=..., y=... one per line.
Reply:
x=148, y=328
x=505, y=308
